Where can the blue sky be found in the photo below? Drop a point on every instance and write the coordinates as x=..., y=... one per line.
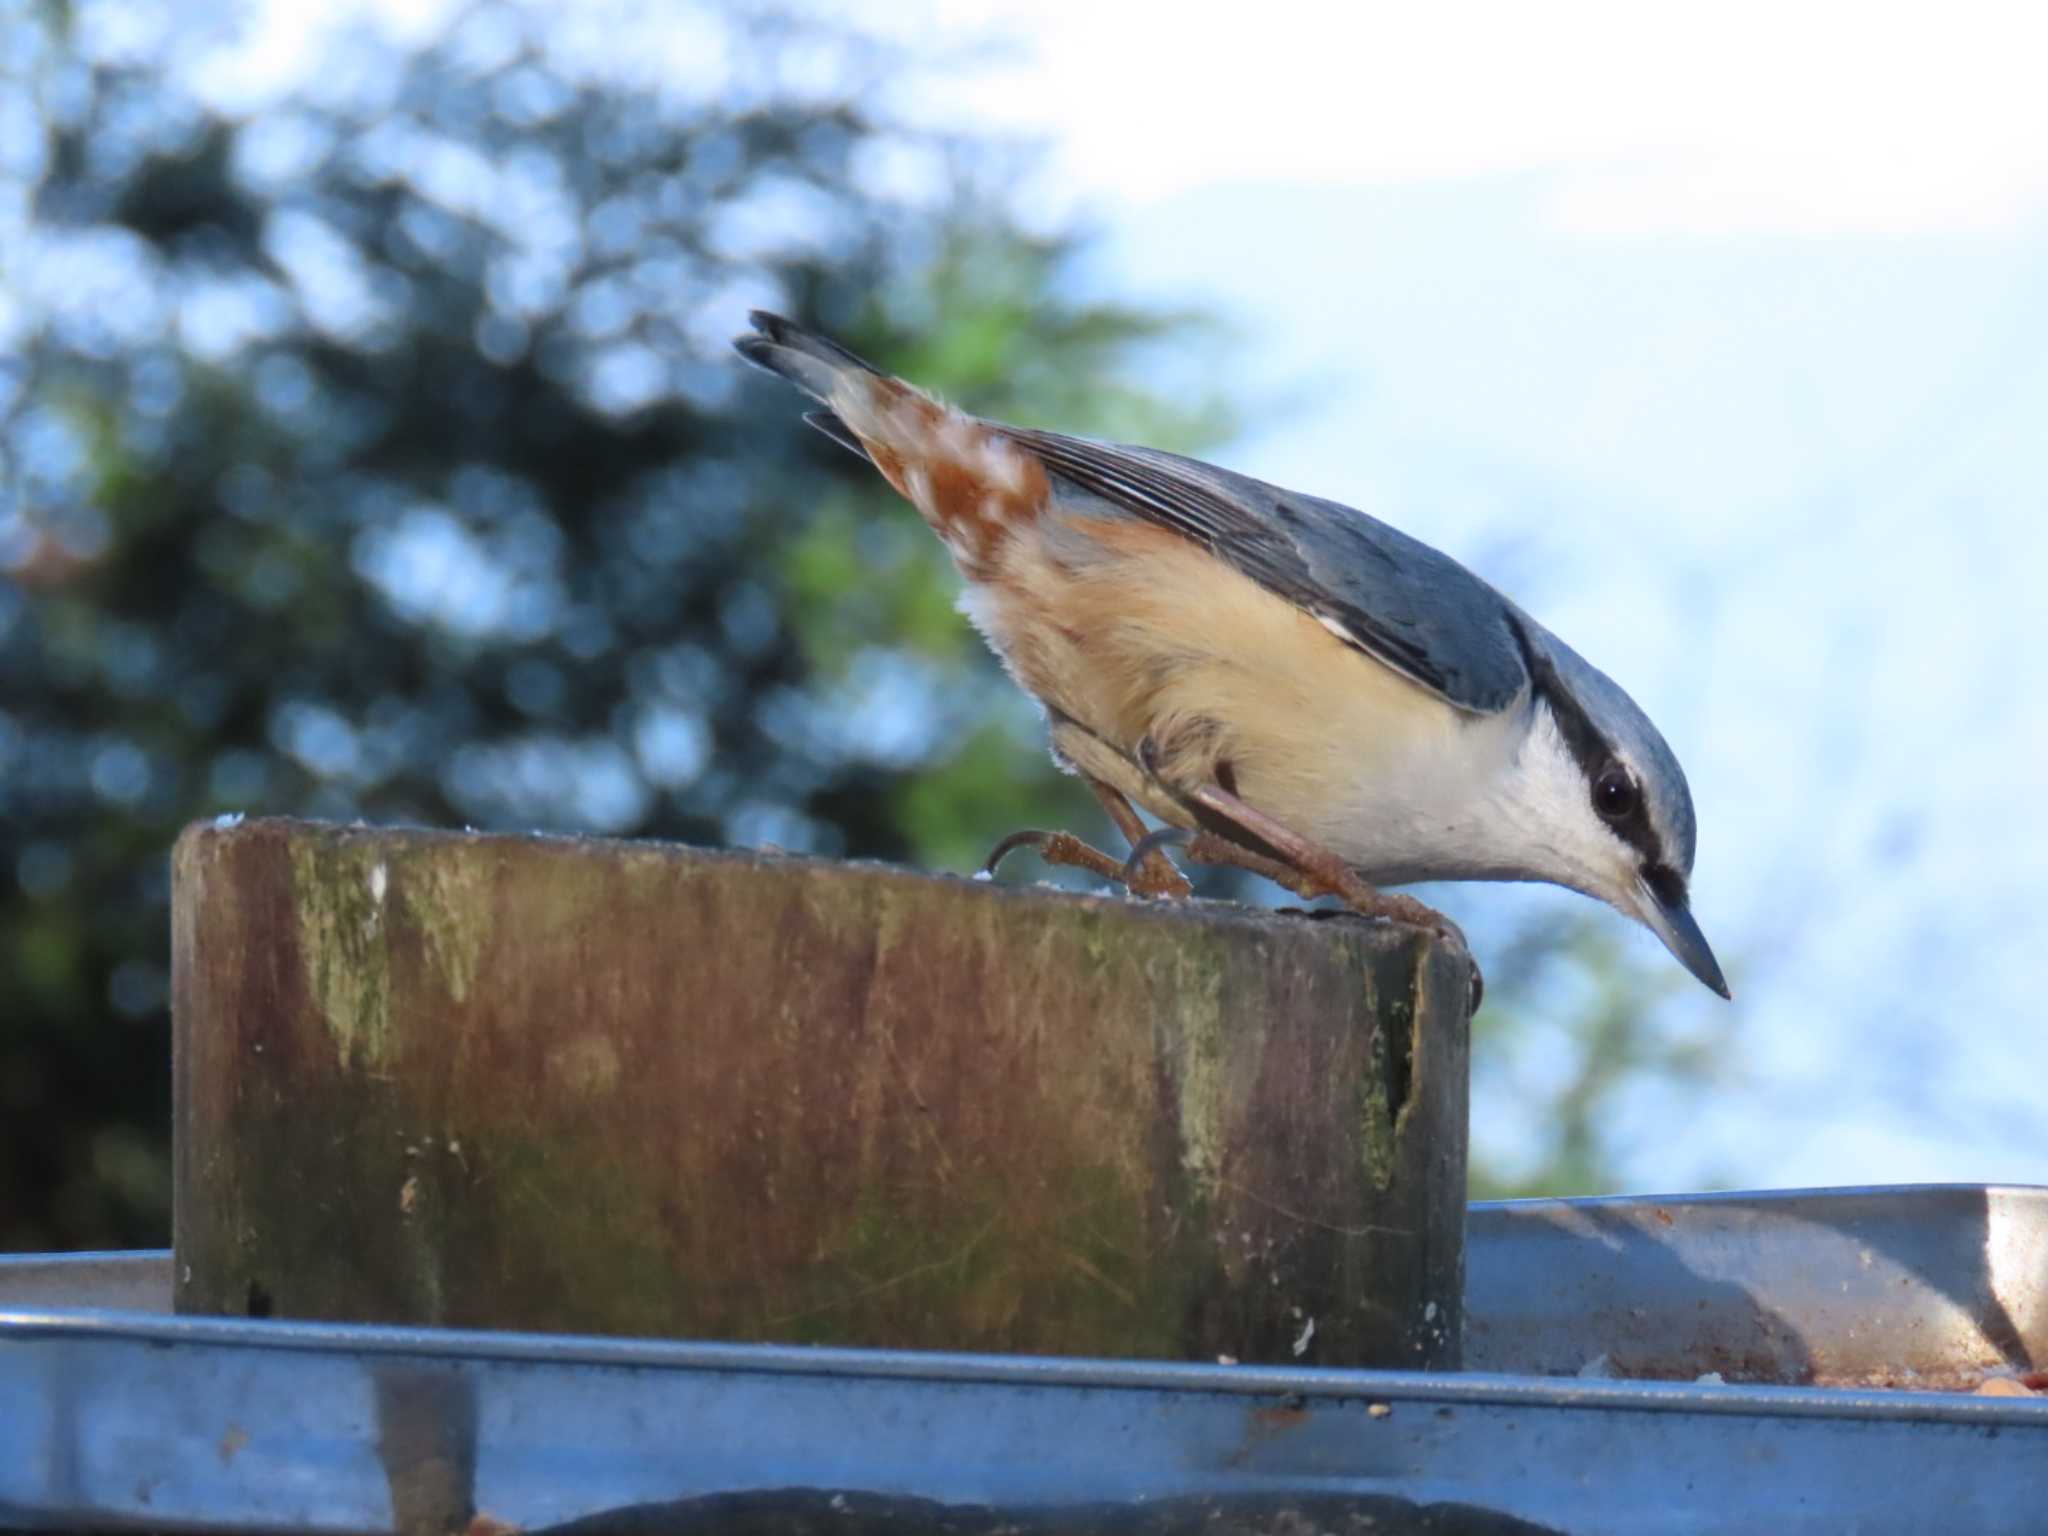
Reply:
x=1718, y=336
x=1722, y=341
x=1721, y=338
x=1789, y=490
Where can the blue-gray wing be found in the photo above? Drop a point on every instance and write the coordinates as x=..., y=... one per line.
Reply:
x=1393, y=597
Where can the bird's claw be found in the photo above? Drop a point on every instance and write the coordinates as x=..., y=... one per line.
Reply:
x=1147, y=872
x=1027, y=837
x=1140, y=874
x=1330, y=877
x=1406, y=910
x=1053, y=848
x=1417, y=914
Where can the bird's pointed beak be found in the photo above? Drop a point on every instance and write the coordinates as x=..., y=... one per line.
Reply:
x=1671, y=920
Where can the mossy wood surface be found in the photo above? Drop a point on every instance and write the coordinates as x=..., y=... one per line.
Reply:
x=632, y=1088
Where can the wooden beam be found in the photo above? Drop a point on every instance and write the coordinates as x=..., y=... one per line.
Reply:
x=542, y=1083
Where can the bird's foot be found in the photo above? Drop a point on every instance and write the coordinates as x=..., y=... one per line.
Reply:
x=1371, y=901
x=1148, y=853
x=1147, y=872
x=1326, y=878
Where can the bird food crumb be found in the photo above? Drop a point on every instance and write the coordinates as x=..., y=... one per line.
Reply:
x=2002, y=1386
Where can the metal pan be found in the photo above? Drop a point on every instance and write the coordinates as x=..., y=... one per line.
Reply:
x=123, y=1419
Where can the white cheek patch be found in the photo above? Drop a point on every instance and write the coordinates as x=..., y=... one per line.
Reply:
x=1546, y=807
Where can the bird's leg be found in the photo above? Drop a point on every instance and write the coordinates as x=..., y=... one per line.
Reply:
x=1319, y=871
x=1207, y=847
x=1155, y=873
x=1148, y=872
x=1204, y=847
x=1304, y=866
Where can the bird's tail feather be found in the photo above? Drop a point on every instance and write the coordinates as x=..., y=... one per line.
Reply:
x=813, y=363
x=969, y=480
x=840, y=433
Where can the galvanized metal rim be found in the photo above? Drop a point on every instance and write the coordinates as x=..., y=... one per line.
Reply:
x=1310, y=1385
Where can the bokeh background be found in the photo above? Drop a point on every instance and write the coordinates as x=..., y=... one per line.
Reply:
x=370, y=447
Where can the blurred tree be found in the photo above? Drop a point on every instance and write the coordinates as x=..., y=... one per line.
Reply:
x=377, y=452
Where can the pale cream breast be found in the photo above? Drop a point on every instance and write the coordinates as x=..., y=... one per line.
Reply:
x=1133, y=631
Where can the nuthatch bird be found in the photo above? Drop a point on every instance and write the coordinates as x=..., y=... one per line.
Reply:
x=1292, y=686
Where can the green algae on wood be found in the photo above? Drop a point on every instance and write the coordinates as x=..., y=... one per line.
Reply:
x=629, y=1088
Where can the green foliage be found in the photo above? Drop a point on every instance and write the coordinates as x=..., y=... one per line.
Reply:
x=380, y=454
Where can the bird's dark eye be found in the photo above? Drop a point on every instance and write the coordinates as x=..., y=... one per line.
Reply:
x=1614, y=793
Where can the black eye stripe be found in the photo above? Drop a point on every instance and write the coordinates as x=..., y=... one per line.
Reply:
x=1666, y=884
x=1591, y=751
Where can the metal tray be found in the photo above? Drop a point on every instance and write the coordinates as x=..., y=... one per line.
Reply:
x=130, y=1420
x=1930, y=1286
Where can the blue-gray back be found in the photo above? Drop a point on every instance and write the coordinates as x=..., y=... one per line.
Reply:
x=1407, y=605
